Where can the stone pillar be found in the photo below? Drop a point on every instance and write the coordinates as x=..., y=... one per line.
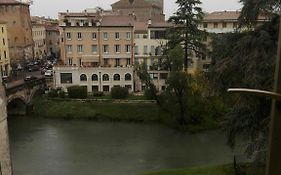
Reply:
x=5, y=159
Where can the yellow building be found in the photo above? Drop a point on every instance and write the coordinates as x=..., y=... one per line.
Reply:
x=4, y=50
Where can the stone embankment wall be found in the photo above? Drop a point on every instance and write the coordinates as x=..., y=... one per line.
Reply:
x=5, y=159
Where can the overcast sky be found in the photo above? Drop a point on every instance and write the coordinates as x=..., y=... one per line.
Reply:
x=52, y=7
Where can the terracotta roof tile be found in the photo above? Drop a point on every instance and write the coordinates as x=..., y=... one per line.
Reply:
x=226, y=16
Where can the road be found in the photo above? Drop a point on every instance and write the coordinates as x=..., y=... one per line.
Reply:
x=20, y=78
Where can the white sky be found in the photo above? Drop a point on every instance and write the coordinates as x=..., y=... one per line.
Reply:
x=52, y=7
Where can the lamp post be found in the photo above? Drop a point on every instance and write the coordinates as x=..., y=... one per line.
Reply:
x=5, y=159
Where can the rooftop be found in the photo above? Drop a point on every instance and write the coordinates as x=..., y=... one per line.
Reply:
x=226, y=16
x=12, y=2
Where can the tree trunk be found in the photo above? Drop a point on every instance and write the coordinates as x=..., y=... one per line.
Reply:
x=181, y=118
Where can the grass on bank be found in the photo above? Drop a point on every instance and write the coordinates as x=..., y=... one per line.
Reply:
x=215, y=170
x=95, y=110
x=110, y=111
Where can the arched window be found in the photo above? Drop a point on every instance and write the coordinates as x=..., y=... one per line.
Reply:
x=116, y=77
x=83, y=77
x=128, y=77
x=105, y=77
x=94, y=77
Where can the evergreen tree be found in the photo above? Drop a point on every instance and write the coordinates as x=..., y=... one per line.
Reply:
x=187, y=19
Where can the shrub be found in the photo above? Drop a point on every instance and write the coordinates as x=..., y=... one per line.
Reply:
x=98, y=94
x=61, y=94
x=119, y=92
x=53, y=93
x=77, y=92
x=150, y=92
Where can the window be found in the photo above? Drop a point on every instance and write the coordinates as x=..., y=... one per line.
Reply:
x=163, y=88
x=215, y=25
x=136, y=50
x=105, y=88
x=3, y=41
x=105, y=61
x=79, y=48
x=94, y=77
x=145, y=50
x=94, y=36
x=116, y=77
x=128, y=35
x=94, y=48
x=235, y=25
x=5, y=54
x=66, y=78
x=79, y=36
x=70, y=61
x=154, y=76
x=128, y=77
x=128, y=61
x=158, y=34
x=117, y=62
x=205, y=25
x=95, y=88
x=152, y=50
x=117, y=35
x=224, y=24
x=69, y=48
x=117, y=48
x=105, y=36
x=105, y=48
x=128, y=48
x=2, y=29
x=83, y=77
x=163, y=76
x=105, y=77
x=68, y=35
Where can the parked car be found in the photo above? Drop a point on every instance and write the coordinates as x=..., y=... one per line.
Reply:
x=48, y=73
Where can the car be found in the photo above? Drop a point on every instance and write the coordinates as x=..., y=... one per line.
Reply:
x=30, y=78
x=48, y=73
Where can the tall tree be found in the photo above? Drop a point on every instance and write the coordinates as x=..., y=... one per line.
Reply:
x=247, y=60
x=187, y=19
x=253, y=9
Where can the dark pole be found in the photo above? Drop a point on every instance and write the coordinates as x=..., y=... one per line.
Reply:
x=274, y=155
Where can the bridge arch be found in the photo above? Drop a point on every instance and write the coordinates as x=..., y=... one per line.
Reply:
x=17, y=105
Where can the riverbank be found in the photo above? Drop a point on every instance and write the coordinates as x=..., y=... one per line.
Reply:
x=108, y=110
x=215, y=170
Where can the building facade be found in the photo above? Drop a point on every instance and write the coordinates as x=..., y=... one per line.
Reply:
x=17, y=17
x=143, y=10
x=150, y=40
x=53, y=40
x=5, y=66
x=39, y=38
x=96, y=44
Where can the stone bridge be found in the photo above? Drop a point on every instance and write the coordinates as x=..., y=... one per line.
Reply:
x=19, y=96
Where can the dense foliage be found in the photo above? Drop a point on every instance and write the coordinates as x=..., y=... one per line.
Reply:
x=119, y=92
x=246, y=60
x=77, y=92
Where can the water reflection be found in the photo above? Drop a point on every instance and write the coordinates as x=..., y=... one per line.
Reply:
x=46, y=146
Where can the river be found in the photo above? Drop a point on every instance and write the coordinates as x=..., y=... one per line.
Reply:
x=58, y=147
